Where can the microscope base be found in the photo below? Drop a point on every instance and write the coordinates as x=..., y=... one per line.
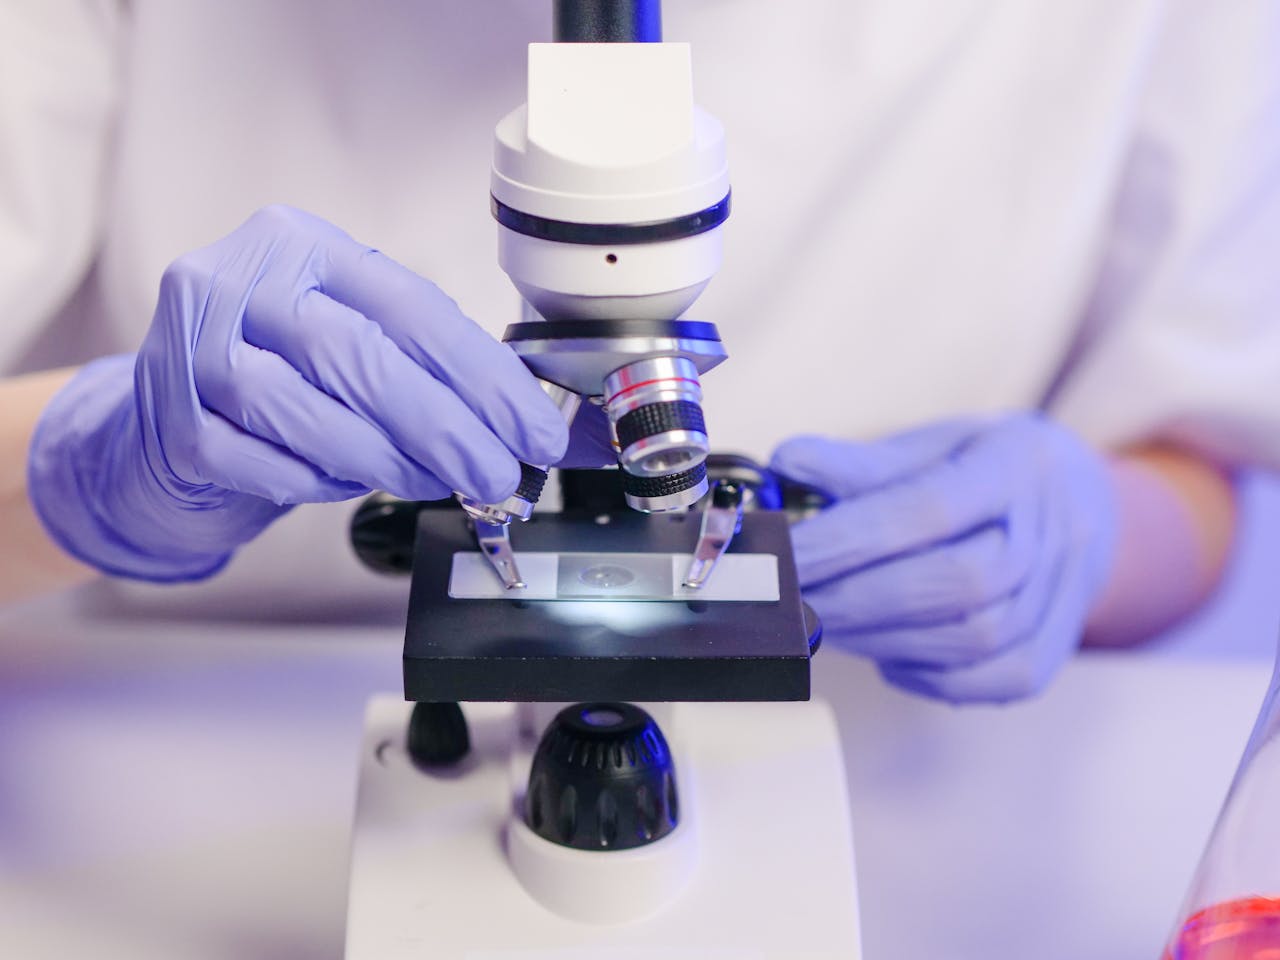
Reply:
x=763, y=790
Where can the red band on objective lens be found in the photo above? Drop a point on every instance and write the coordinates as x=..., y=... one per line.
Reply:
x=646, y=383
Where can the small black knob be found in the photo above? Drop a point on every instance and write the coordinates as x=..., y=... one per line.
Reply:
x=726, y=495
x=438, y=735
x=602, y=779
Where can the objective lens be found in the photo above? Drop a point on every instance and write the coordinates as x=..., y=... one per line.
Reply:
x=662, y=494
x=519, y=506
x=655, y=410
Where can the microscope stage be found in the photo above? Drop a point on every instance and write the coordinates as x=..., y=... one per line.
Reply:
x=591, y=647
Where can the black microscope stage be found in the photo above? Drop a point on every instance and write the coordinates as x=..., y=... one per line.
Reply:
x=556, y=650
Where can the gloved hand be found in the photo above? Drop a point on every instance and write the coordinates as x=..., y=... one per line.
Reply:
x=963, y=557
x=590, y=440
x=285, y=363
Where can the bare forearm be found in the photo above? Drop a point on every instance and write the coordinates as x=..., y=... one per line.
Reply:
x=1177, y=517
x=29, y=561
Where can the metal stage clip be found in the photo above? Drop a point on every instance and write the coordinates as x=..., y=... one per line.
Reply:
x=721, y=521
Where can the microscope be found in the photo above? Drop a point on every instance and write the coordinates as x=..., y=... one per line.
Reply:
x=606, y=746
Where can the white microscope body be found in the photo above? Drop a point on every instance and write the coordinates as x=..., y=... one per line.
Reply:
x=610, y=140
x=610, y=188
x=760, y=865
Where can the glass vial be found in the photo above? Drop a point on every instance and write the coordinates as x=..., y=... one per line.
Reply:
x=1233, y=909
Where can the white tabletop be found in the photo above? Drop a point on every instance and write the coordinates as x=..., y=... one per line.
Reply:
x=184, y=789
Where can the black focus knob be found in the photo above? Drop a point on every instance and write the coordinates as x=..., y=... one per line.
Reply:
x=602, y=779
x=438, y=735
x=384, y=527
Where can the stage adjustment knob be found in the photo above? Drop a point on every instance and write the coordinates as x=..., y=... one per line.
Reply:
x=438, y=734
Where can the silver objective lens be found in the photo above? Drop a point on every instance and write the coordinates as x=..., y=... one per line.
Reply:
x=663, y=494
x=519, y=506
x=493, y=520
x=655, y=412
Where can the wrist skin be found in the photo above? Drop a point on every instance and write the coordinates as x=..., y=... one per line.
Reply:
x=30, y=563
x=1177, y=516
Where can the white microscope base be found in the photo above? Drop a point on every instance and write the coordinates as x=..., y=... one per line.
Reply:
x=764, y=787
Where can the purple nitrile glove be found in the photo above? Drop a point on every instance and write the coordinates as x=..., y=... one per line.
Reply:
x=963, y=557
x=590, y=440
x=286, y=363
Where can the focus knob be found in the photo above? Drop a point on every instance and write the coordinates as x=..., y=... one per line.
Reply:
x=602, y=779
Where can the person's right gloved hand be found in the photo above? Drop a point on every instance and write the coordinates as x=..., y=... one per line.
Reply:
x=286, y=363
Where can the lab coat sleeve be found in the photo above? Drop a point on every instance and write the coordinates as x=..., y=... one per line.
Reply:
x=59, y=85
x=1181, y=336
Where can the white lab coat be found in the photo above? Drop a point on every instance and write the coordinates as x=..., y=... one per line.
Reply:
x=939, y=208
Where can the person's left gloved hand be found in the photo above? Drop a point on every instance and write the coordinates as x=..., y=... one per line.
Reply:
x=963, y=557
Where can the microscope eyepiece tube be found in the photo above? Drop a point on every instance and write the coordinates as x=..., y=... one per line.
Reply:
x=608, y=21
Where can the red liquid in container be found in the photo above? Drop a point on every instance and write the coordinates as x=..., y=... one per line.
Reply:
x=1247, y=929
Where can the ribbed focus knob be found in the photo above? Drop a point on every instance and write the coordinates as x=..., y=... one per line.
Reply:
x=602, y=779
x=532, y=480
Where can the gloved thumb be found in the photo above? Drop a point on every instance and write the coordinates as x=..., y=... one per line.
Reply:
x=844, y=468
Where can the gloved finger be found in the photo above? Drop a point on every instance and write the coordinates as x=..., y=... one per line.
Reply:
x=270, y=399
x=979, y=485
x=224, y=455
x=976, y=636
x=1023, y=670
x=894, y=522
x=347, y=356
x=590, y=442
x=848, y=469
x=430, y=328
x=979, y=635
x=923, y=589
